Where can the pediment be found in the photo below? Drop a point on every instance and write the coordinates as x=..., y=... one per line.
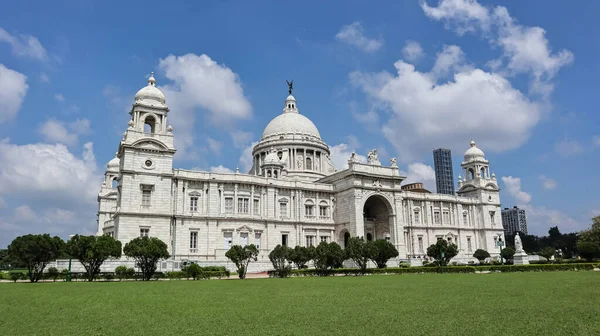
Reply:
x=244, y=228
x=491, y=186
x=468, y=187
x=149, y=144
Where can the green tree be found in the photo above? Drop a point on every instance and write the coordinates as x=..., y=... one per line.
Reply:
x=301, y=255
x=280, y=259
x=507, y=253
x=588, y=250
x=92, y=251
x=547, y=252
x=449, y=250
x=481, y=255
x=193, y=270
x=53, y=273
x=360, y=252
x=383, y=251
x=241, y=257
x=4, y=262
x=593, y=233
x=35, y=251
x=328, y=256
x=146, y=251
x=122, y=272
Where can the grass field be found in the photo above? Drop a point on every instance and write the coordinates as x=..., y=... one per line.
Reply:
x=557, y=303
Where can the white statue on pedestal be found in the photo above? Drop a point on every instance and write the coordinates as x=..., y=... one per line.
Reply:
x=518, y=243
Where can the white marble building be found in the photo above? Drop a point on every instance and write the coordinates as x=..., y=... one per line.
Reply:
x=293, y=195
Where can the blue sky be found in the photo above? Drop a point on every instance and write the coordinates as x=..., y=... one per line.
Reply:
x=404, y=77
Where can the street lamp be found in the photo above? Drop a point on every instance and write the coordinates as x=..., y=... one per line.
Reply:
x=70, y=258
x=500, y=244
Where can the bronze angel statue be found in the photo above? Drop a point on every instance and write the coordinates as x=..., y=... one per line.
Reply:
x=290, y=85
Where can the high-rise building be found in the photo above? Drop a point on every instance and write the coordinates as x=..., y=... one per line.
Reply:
x=514, y=220
x=444, y=178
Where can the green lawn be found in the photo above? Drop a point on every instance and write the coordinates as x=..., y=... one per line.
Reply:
x=556, y=303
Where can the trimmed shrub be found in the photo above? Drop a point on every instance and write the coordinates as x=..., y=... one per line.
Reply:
x=193, y=271
x=14, y=276
x=53, y=273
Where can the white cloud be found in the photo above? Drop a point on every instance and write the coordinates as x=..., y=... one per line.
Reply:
x=567, y=147
x=240, y=138
x=513, y=187
x=246, y=160
x=24, y=45
x=425, y=113
x=450, y=60
x=370, y=119
x=214, y=145
x=201, y=86
x=412, y=51
x=44, y=78
x=354, y=34
x=341, y=153
x=55, y=131
x=525, y=49
x=59, y=97
x=13, y=88
x=540, y=219
x=220, y=169
x=420, y=172
x=548, y=183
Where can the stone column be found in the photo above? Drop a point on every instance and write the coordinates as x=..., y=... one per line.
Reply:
x=251, y=201
x=235, y=202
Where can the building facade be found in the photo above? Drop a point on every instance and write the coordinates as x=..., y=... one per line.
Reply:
x=513, y=220
x=444, y=177
x=292, y=195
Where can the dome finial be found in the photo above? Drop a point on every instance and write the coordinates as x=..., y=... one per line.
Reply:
x=152, y=80
x=472, y=142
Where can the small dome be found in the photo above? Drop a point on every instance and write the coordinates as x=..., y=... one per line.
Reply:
x=113, y=164
x=272, y=158
x=474, y=152
x=150, y=94
x=290, y=98
x=291, y=123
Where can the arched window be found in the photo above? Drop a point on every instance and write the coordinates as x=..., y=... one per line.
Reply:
x=275, y=173
x=115, y=183
x=471, y=174
x=308, y=164
x=149, y=124
x=369, y=236
x=483, y=172
x=346, y=237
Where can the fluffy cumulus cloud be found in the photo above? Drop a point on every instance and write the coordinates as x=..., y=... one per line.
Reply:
x=540, y=218
x=49, y=189
x=214, y=145
x=55, y=131
x=246, y=159
x=420, y=172
x=548, y=183
x=354, y=34
x=220, y=169
x=24, y=45
x=525, y=49
x=513, y=187
x=412, y=51
x=13, y=88
x=341, y=153
x=201, y=86
x=427, y=113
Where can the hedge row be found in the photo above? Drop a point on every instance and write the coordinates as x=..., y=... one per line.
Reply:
x=111, y=275
x=448, y=269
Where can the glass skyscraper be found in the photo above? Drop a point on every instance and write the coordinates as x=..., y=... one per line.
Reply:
x=444, y=177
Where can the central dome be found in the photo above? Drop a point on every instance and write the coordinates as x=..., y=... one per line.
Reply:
x=291, y=123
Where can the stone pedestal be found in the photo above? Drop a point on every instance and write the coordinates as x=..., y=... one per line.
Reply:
x=416, y=262
x=520, y=258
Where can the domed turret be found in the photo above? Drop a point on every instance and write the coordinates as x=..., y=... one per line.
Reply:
x=150, y=95
x=113, y=165
x=474, y=153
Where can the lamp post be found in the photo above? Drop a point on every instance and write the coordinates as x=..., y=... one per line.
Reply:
x=500, y=244
x=70, y=258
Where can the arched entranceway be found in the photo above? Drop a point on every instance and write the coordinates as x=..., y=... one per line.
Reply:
x=344, y=236
x=376, y=216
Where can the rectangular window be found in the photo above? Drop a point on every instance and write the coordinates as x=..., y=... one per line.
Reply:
x=469, y=247
x=323, y=211
x=194, y=203
x=420, y=244
x=495, y=241
x=227, y=240
x=493, y=217
x=417, y=217
x=284, y=240
x=436, y=217
x=446, y=217
x=283, y=210
x=193, y=240
x=244, y=238
x=309, y=210
x=325, y=239
x=243, y=205
x=465, y=219
x=257, y=237
x=146, y=201
x=450, y=240
x=257, y=207
x=229, y=205
x=310, y=241
x=145, y=232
